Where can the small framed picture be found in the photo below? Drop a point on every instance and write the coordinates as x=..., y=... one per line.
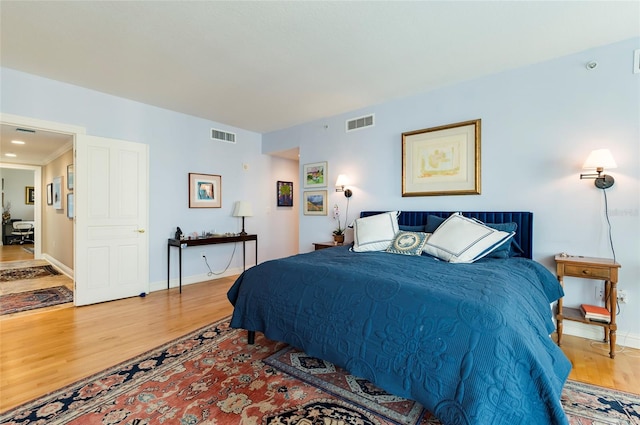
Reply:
x=315, y=174
x=70, y=206
x=70, y=175
x=285, y=194
x=50, y=194
x=57, y=193
x=29, y=195
x=315, y=202
x=205, y=190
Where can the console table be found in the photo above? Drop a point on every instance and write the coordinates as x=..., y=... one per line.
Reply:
x=184, y=243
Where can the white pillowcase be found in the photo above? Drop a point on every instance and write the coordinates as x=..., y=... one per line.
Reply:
x=464, y=240
x=375, y=233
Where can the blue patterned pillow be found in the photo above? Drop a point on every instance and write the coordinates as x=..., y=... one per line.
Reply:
x=408, y=243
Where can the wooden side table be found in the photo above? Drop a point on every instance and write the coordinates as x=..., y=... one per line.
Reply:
x=323, y=245
x=590, y=268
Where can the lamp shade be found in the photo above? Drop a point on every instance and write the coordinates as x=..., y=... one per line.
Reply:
x=600, y=158
x=342, y=180
x=243, y=209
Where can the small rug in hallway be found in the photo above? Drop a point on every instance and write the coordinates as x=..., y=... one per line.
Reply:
x=211, y=376
x=27, y=273
x=38, y=298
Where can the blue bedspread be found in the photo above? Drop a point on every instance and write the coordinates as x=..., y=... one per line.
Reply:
x=468, y=341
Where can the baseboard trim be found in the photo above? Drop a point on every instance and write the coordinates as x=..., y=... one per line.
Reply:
x=189, y=280
x=625, y=339
x=58, y=265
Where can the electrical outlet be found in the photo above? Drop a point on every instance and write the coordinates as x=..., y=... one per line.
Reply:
x=623, y=297
x=599, y=292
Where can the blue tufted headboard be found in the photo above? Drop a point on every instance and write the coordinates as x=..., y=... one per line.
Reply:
x=524, y=220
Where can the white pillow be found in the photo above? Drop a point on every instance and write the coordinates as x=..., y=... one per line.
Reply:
x=375, y=233
x=464, y=240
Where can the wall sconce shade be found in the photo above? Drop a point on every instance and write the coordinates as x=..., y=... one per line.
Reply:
x=341, y=183
x=599, y=159
x=243, y=209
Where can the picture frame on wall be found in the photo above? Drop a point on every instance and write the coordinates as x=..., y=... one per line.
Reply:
x=29, y=195
x=285, y=193
x=50, y=194
x=315, y=174
x=442, y=160
x=70, y=206
x=315, y=202
x=205, y=190
x=70, y=176
x=57, y=193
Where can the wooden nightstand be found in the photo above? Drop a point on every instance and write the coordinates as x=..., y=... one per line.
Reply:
x=323, y=245
x=590, y=268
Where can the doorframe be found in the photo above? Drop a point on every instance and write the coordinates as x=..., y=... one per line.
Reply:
x=43, y=125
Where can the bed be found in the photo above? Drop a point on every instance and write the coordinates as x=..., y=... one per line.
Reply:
x=469, y=341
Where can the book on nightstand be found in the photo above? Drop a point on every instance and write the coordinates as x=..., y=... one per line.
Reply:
x=593, y=312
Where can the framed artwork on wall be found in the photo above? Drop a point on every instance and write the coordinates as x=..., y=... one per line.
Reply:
x=285, y=193
x=442, y=160
x=70, y=206
x=70, y=177
x=57, y=193
x=50, y=194
x=29, y=195
x=315, y=174
x=315, y=202
x=205, y=190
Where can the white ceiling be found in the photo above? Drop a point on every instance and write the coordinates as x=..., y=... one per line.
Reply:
x=264, y=66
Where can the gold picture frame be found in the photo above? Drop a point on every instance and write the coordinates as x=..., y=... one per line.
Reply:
x=29, y=195
x=442, y=160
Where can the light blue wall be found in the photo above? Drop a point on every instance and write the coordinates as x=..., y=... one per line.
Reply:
x=539, y=124
x=178, y=144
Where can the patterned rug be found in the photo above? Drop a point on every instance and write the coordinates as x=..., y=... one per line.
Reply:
x=38, y=298
x=27, y=273
x=212, y=376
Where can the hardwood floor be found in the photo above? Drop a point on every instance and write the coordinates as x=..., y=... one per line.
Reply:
x=46, y=349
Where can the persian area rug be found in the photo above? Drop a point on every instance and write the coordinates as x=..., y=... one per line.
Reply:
x=212, y=376
x=38, y=298
x=25, y=273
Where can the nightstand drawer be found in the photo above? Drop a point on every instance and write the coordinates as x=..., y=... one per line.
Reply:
x=587, y=271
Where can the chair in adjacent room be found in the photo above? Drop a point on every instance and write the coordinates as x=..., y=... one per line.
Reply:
x=22, y=231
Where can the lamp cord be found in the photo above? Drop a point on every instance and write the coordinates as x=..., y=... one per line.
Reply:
x=211, y=272
x=606, y=214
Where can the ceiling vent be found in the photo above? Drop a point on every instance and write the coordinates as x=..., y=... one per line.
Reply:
x=223, y=136
x=360, y=122
x=25, y=130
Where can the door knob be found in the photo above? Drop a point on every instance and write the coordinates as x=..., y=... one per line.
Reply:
x=140, y=230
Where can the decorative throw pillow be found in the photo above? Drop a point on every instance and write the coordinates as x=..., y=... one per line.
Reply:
x=505, y=250
x=407, y=228
x=433, y=221
x=464, y=240
x=408, y=243
x=376, y=232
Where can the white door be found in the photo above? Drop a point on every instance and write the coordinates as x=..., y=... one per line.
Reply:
x=111, y=197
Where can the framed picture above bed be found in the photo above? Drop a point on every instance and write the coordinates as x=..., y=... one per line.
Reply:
x=315, y=174
x=315, y=202
x=205, y=191
x=442, y=160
